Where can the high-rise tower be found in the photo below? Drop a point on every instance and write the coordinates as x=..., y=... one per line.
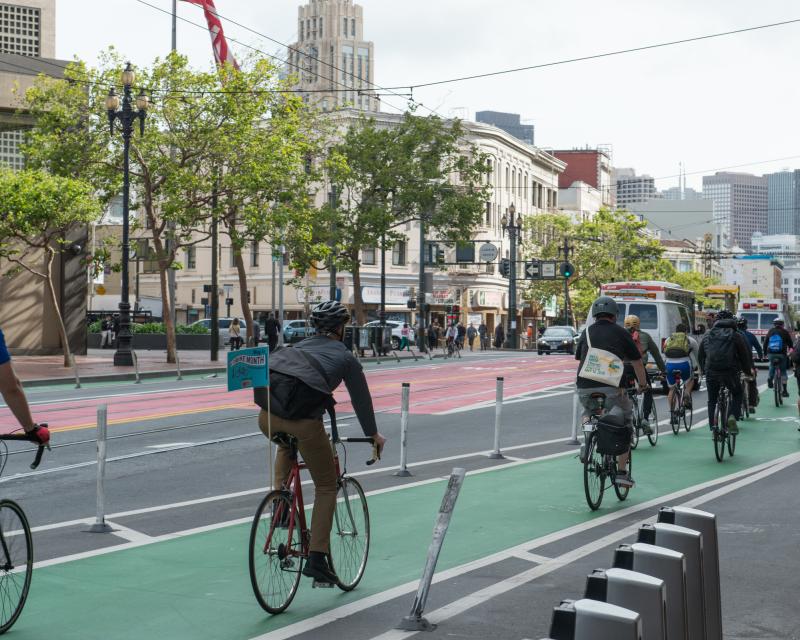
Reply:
x=334, y=65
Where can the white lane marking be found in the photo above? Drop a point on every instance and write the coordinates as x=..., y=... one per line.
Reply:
x=489, y=403
x=135, y=394
x=170, y=445
x=483, y=595
x=131, y=535
x=352, y=608
x=531, y=557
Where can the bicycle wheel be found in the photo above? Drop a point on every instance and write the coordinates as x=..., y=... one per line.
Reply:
x=17, y=566
x=687, y=422
x=275, y=552
x=653, y=437
x=350, y=534
x=731, y=444
x=594, y=477
x=637, y=423
x=745, y=399
x=675, y=410
x=719, y=433
x=622, y=492
x=776, y=387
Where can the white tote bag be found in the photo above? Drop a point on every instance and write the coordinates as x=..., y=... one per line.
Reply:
x=601, y=365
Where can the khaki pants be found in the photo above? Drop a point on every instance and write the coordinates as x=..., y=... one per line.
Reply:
x=315, y=447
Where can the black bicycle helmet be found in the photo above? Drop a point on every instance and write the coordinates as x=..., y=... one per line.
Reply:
x=742, y=323
x=605, y=305
x=328, y=316
x=724, y=315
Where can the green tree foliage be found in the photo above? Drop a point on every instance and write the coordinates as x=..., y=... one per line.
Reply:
x=38, y=212
x=386, y=177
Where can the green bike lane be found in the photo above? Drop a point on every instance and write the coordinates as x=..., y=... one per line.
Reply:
x=198, y=586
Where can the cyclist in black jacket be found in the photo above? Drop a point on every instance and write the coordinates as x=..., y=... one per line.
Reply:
x=724, y=354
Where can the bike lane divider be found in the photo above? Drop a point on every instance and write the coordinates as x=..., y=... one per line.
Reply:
x=197, y=586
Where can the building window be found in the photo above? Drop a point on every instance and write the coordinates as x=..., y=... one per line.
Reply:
x=232, y=257
x=320, y=27
x=254, y=254
x=488, y=214
x=399, y=254
x=353, y=27
x=191, y=257
x=345, y=26
x=193, y=296
x=368, y=256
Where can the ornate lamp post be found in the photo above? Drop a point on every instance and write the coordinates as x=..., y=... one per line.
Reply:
x=512, y=227
x=127, y=115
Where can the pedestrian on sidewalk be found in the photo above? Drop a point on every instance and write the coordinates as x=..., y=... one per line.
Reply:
x=271, y=330
x=530, y=335
x=115, y=329
x=433, y=335
x=462, y=332
x=499, y=336
x=405, y=334
x=105, y=333
x=235, y=335
x=483, y=332
x=256, y=332
x=471, y=333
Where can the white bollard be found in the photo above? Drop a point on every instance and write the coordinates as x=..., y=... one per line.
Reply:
x=498, y=417
x=403, y=472
x=75, y=371
x=100, y=525
x=575, y=413
x=136, y=367
x=178, y=364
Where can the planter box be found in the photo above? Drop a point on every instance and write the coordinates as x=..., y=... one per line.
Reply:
x=158, y=341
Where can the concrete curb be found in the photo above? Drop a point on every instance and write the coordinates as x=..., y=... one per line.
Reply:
x=116, y=377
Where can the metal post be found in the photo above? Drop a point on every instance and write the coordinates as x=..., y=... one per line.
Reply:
x=573, y=439
x=75, y=371
x=178, y=364
x=414, y=620
x=422, y=340
x=136, y=367
x=282, y=251
x=511, y=334
x=498, y=416
x=100, y=525
x=404, y=402
x=214, y=276
x=333, y=201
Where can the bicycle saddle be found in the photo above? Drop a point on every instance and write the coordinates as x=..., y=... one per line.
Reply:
x=284, y=440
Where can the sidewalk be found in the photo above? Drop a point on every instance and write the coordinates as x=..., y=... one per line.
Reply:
x=99, y=365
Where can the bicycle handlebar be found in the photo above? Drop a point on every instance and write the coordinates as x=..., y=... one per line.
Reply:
x=30, y=438
x=376, y=454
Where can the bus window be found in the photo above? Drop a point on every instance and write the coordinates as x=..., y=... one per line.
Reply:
x=648, y=315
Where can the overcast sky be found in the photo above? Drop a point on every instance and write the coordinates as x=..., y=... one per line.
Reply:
x=721, y=102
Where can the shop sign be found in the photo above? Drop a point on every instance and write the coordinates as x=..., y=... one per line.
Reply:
x=316, y=293
x=486, y=298
x=394, y=295
x=445, y=295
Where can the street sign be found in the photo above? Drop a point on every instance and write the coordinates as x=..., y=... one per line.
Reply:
x=549, y=269
x=487, y=252
x=533, y=270
x=248, y=368
x=229, y=302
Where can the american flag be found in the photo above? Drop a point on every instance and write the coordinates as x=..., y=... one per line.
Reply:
x=222, y=54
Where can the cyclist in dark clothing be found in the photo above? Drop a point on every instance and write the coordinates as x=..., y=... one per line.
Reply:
x=724, y=354
x=777, y=343
x=754, y=344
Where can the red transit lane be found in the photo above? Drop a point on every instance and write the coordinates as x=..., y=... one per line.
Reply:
x=434, y=387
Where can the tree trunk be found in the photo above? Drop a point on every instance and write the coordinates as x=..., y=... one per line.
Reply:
x=166, y=313
x=358, y=302
x=248, y=315
x=62, y=331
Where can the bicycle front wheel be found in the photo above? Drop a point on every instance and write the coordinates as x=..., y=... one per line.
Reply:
x=350, y=534
x=653, y=437
x=16, y=553
x=275, y=552
x=594, y=476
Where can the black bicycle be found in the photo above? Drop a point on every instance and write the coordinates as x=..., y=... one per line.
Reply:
x=721, y=436
x=777, y=378
x=599, y=467
x=16, y=542
x=679, y=412
x=638, y=417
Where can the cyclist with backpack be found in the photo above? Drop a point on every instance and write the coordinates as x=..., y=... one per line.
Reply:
x=777, y=343
x=681, y=352
x=647, y=347
x=722, y=356
x=302, y=381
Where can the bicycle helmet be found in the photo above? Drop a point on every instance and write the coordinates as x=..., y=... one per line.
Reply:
x=328, y=316
x=605, y=305
x=778, y=322
x=632, y=322
x=724, y=315
x=742, y=323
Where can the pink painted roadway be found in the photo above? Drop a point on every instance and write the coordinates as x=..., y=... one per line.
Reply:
x=434, y=388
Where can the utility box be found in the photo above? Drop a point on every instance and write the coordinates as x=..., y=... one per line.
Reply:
x=706, y=524
x=593, y=620
x=690, y=543
x=669, y=566
x=639, y=592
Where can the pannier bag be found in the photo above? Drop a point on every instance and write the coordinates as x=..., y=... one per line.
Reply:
x=613, y=439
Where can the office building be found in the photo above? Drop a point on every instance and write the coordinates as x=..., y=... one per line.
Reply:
x=678, y=193
x=508, y=122
x=333, y=64
x=783, y=202
x=630, y=188
x=740, y=204
x=758, y=276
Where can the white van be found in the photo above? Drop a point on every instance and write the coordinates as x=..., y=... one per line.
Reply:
x=657, y=317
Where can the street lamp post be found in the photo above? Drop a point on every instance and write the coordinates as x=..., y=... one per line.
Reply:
x=127, y=115
x=512, y=227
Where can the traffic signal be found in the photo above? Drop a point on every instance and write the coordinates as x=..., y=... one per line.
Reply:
x=505, y=268
x=567, y=270
x=448, y=309
x=439, y=255
x=412, y=304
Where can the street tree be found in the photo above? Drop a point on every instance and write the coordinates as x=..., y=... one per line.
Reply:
x=386, y=177
x=38, y=213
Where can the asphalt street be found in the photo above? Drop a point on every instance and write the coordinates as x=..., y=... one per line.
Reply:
x=188, y=466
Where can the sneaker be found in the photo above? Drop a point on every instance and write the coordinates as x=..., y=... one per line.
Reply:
x=733, y=428
x=317, y=567
x=624, y=479
x=646, y=428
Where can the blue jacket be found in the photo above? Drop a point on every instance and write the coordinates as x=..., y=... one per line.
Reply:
x=754, y=343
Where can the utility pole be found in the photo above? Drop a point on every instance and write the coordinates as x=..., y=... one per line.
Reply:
x=214, y=276
x=171, y=226
x=282, y=250
x=421, y=337
x=334, y=198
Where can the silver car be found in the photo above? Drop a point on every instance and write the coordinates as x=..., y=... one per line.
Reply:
x=224, y=328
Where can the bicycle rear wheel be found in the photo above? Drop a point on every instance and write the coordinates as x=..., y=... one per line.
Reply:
x=731, y=444
x=275, y=552
x=16, y=562
x=688, y=415
x=675, y=410
x=622, y=492
x=637, y=423
x=350, y=534
x=777, y=387
x=719, y=432
x=653, y=437
x=594, y=476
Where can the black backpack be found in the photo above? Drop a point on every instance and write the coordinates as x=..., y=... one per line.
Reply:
x=720, y=349
x=292, y=398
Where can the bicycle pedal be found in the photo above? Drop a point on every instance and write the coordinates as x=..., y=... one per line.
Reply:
x=322, y=585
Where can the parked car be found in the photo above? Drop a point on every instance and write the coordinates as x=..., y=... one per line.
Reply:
x=557, y=339
x=397, y=331
x=296, y=330
x=224, y=328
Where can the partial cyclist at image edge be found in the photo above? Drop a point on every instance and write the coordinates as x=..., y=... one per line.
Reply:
x=724, y=354
x=302, y=381
x=606, y=341
x=647, y=347
x=14, y=396
x=777, y=343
